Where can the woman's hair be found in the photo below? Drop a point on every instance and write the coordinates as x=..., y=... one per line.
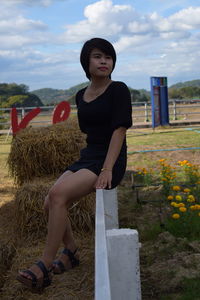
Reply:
x=101, y=44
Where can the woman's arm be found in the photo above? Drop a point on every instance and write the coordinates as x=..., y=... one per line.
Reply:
x=114, y=149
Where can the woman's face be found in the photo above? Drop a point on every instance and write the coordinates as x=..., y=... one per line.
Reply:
x=100, y=64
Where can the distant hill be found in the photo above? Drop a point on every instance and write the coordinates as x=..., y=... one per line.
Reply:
x=192, y=83
x=51, y=96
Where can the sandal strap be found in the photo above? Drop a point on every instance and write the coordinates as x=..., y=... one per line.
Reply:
x=74, y=261
x=43, y=268
x=60, y=265
x=45, y=271
x=33, y=277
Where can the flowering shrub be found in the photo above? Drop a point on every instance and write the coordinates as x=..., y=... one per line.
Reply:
x=167, y=174
x=184, y=218
x=191, y=172
x=144, y=176
x=183, y=201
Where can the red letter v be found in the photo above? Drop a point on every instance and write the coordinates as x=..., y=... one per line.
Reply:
x=28, y=117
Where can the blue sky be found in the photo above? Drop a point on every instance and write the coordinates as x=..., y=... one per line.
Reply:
x=40, y=40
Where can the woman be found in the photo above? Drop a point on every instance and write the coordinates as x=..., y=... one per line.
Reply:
x=104, y=114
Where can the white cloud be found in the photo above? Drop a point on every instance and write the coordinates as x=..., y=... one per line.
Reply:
x=102, y=19
x=146, y=43
x=121, y=23
x=188, y=17
x=29, y=2
x=20, y=24
x=16, y=30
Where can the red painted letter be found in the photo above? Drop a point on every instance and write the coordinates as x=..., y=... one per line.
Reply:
x=28, y=117
x=61, y=112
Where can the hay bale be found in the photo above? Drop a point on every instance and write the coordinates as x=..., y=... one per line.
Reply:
x=38, y=152
x=7, y=252
x=31, y=218
x=77, y=284
x=7, y=240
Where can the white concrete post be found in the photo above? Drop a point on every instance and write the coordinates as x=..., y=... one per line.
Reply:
x=123, y=261
x=111, y=208
x=102, y=280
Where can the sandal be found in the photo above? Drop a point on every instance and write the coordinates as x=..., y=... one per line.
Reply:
x=35, y=284
x=58, y=264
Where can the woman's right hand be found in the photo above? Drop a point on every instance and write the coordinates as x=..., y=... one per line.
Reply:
x=104, y=180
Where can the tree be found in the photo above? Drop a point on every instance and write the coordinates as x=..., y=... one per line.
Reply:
x=175, y=94
x=27, y=100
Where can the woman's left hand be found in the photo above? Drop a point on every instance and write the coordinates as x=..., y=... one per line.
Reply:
x=104, y=180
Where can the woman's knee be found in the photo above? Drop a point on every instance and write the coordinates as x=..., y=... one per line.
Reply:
x=46, y=203
x=57, y=196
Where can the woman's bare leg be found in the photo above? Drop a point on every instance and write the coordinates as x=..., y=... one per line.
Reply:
x=61, y=195
x=68, y=238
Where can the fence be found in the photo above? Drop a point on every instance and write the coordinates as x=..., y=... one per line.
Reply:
x=117, y=271
x=178, y=109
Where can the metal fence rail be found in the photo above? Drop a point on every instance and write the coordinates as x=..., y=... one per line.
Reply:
x=178, y=110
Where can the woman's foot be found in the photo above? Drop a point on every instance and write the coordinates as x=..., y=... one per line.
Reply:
x=35, y=270
x=67, y=260
x=36, y=278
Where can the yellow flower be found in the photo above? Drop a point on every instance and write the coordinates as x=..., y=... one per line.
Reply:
x=176, y=188
x=164, y=179
x=178, y=198
x=192, y=207
x=189, y=164
x=197, y=206
x=183, y=209
x=191, y=197
x=170, y=197
x=182, y=163
x=162, y=160
x=186, y=190
x=199, y=214
x=181, y=204
x=175, y=216
x=190, y=200
x=174, y=204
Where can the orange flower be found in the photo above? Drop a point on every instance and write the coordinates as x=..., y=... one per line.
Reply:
x=175, y=216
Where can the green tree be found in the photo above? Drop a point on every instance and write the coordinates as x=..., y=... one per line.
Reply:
x=27, y=100
x=11, y=89
x=174, y=94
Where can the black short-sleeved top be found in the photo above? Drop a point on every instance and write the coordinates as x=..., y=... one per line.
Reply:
x=98, y=119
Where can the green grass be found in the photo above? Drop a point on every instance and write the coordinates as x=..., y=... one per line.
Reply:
x=4, y=152
x=187, y=226
x=166, y=139
x=190, y=291
x=161, y=139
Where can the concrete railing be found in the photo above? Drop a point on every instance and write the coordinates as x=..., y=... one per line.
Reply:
x=117, y=271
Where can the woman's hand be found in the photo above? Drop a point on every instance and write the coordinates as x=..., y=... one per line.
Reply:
x=104, y=180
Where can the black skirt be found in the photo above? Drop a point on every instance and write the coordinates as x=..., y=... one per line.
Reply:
x=92, y=158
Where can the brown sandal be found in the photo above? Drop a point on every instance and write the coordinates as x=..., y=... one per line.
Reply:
x=35, y=284
x=57, y=264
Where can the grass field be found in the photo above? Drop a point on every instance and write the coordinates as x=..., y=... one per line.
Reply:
x=156, y=249
x=162, y=143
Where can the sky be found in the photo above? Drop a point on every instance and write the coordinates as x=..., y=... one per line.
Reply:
x=41, y=40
